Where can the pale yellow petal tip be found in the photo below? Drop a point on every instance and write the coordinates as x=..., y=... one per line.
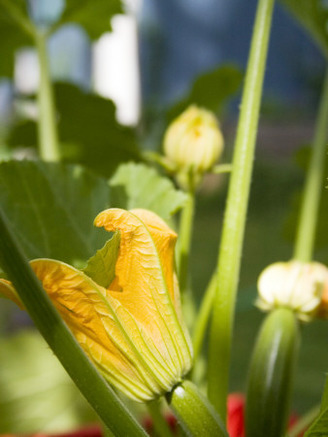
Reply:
x=8, y=292
x=296, y=285
x=116, y=218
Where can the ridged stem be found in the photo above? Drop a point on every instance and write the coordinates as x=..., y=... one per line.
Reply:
x=315, y=183
x=235, y=213
x=47, y=126
x=185, y=235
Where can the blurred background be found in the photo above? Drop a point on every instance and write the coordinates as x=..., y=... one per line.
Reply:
x=147, y=65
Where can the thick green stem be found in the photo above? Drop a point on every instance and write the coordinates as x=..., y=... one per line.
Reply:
x=235, y=214
x=196, y=415
x=99, y=394
x=47, y=129
x=185, y=234
x=314, y=185
x=160, y=424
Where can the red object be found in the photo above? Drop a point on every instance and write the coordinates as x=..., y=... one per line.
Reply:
x=148, y=425
x=236, y=421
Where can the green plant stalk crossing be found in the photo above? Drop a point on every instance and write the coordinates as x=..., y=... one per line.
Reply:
x=203, y=317
x=196, y=415
x=19, y=18
x=91, y=384
x=159, y=422
x=314, y=184
x=47, y=129
x=235, y=214
x=185, y=233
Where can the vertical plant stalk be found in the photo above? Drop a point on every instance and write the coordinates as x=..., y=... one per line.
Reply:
x=160, y=424
x=47, y=129
x=16, y=15
x=91, y=384
x=185, y=234
x=196, y=415
x=203, y=317
x=235, y=214
x=315, y=181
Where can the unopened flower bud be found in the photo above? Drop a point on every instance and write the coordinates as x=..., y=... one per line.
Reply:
x=193, y=143
x=294, y=284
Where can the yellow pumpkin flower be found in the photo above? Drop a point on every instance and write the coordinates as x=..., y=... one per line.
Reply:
x=193, y=143
x=133, y=331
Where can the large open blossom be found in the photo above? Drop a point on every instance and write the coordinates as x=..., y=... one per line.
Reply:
x=133, y=331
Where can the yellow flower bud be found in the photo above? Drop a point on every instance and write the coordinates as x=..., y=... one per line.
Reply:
x=193, y=143
x=132, y=331
x=294, y=284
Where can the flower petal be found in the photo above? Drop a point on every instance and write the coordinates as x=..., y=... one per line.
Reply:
x=144, y=282
x=9, y=292
x=89, y=312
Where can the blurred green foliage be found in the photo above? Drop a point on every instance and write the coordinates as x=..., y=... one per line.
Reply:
x=51, y=208
x=140, y=186
x=94, y=17
x=88, y=131
x=210, y=90
x=313, y=15
x=12, y=36
x=36, y=394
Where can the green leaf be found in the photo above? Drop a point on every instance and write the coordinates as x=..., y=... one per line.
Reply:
x=101, y=267
x=324, y=400
x=88, y=130
x=313, y=15
x=36, y=394
x=210, y=90
x=51, y=208
x=139, y=186
x=319, y=428
x=12, y=34
x=93, y=16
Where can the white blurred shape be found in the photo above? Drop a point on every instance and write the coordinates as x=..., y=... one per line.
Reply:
x=116, y=66
x=26, y=71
